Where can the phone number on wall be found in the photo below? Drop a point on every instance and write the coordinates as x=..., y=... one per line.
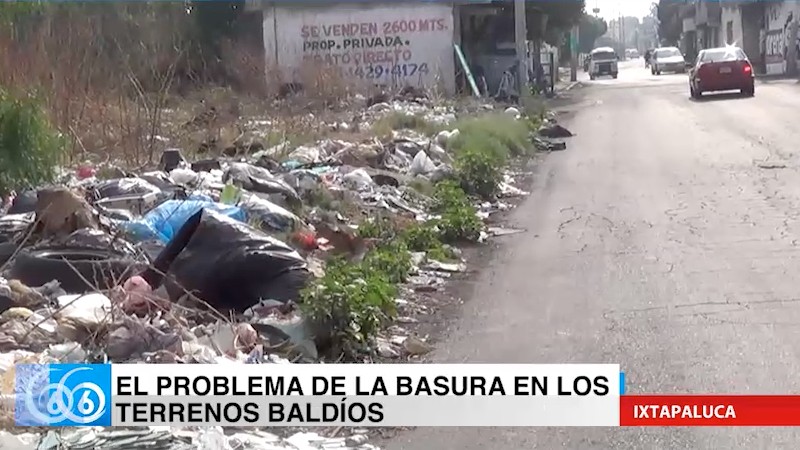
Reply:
x=397, y=70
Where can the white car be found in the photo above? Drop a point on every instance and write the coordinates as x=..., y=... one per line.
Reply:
x=603, y=62
x=667, y=59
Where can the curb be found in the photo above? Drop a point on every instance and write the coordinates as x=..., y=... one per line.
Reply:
x=568, y=87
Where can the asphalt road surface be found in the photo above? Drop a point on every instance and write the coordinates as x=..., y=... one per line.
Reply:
x=665, y=239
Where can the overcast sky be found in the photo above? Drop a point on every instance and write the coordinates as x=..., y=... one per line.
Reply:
x=611, y=9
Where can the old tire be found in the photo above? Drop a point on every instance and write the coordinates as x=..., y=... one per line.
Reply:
x=78, y=270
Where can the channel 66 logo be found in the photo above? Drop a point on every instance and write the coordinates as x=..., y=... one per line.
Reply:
x=64, y=395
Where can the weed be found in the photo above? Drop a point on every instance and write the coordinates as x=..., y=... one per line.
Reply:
x=30, y=148
x=391, y=259
x=442, y=253
x=422, y=237
x=458, y=221
x=319, y=196
x=447, y=195
x=377, y=228
x=397, y=120
x=483, y=147
x=422, y=186
x=480, y=171
x=427, y=237
x=460, y=224
x=510, y=136
x=352, y=300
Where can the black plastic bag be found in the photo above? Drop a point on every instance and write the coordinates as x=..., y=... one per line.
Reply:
x=121, y=187
x=228, y=264
x=24, y=202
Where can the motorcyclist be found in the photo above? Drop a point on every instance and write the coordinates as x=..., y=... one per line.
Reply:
x=647, y=55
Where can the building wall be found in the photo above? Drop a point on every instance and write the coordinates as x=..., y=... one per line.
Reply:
x=392, y=44
x=779, y=15
x=752, y=16
x=732, y=21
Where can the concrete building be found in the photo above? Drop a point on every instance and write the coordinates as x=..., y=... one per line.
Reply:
x=708, y=17
x=731, y=21
x=780, y=35
x=389, y=43
x=766, y=31
x=689, y=42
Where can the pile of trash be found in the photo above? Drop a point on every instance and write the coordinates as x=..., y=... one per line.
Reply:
x=165, y=438
x=151, y=267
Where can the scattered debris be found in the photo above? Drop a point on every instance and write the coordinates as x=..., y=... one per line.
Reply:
x=500, y=231
x=555, y=132
x=207, y=261
x=167, y=438
x=771, y=165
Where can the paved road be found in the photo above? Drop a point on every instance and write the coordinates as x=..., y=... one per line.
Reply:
x=655, y=241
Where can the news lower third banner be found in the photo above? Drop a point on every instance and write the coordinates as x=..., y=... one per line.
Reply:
x=366, y=395
x=318, y=395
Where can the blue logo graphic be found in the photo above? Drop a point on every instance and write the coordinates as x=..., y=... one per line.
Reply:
x=63, y=395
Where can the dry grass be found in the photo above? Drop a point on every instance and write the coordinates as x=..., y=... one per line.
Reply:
x=118, y=79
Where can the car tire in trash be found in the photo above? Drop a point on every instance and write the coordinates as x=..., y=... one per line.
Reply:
x=78, y=270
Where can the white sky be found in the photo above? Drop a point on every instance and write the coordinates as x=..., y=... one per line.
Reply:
x=611, y=9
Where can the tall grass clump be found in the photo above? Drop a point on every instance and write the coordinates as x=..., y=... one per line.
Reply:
x=31, y=149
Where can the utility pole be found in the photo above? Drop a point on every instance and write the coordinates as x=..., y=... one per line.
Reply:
x=622, y=31
x=573, y=50
x=520, y=35
x=791, y=57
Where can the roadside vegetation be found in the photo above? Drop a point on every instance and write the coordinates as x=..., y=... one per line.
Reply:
x=30, y=148
x=128, y=100
x=357, y=299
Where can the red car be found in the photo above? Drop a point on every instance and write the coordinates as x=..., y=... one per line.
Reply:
x=722, y=69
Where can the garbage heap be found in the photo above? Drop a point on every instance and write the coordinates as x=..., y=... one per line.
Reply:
x=151, y=267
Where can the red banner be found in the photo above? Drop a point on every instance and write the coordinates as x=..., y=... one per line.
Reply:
x=709, y=410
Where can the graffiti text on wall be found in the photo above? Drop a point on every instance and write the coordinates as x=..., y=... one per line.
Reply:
x=371, y=50
x=777, y=46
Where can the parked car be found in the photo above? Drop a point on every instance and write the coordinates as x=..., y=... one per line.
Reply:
x=603, y=62
x=667, y=59
x=722, y=69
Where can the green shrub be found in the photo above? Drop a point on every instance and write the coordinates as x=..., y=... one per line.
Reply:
x=377, y=228
x=427, y=237
x=480, y=171
x=30, y=148
x=460, y=224
x=483, y=147
x=511, y=137
x=458, y=221
x=391, y=259
x=422, y=237
x=448, y=194
x=354, y=301
x=398, y=120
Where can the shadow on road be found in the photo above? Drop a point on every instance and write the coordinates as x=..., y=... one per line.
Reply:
x=719, y=97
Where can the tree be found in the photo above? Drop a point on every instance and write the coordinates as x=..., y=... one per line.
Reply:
x=590, y=28
x=216, y=21
x=669, y=23
x=559, y=16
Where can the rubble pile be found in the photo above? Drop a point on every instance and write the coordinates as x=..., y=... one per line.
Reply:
x=151, y=267
x=165, y=438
